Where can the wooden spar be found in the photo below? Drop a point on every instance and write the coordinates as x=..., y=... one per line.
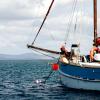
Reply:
x=43, y=21
x=42, y=49
x=95, y=21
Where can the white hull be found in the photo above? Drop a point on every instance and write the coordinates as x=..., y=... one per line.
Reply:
x=77, y=83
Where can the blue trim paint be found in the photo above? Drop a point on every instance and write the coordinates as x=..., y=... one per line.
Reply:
x=81, y=72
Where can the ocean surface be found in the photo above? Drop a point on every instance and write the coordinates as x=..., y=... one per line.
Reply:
x=22, y=80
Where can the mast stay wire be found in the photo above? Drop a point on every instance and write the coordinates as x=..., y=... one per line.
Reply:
x=70, y=20
x=43, y=21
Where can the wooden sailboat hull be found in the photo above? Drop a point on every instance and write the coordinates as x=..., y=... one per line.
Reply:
x=78, y=77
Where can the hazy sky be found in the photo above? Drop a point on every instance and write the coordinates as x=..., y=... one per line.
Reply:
x=20, y=20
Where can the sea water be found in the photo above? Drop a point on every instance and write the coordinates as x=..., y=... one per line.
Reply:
x=23, y=80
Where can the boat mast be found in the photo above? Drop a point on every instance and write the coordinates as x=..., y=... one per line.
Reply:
x=95, y=21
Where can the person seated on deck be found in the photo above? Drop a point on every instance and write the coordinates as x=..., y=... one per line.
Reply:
x=95, y=54
x=65, y=55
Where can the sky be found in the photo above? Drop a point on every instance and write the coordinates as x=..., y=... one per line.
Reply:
x=20, y=20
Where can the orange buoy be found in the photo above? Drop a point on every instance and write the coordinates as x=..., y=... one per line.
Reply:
x=55, y=66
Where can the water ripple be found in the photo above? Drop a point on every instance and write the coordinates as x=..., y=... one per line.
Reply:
x=22, y=80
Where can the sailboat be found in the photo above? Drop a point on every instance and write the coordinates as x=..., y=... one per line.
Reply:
x=75, y=70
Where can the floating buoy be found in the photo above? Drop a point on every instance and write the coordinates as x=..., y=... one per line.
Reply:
x=55, y=67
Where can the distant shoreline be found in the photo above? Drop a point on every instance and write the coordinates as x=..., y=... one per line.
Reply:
x=25, y=56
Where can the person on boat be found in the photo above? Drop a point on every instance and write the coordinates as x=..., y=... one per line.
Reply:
x=64, y=55
x=64, y=51
x=94, y=54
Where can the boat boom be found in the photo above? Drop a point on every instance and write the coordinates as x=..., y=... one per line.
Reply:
x=42, y=49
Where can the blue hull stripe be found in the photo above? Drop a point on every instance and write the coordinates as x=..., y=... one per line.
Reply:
x=80, y=72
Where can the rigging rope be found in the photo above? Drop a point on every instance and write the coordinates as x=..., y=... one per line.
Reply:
x=70, y=20
x=75, y=26
x=43, y=21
